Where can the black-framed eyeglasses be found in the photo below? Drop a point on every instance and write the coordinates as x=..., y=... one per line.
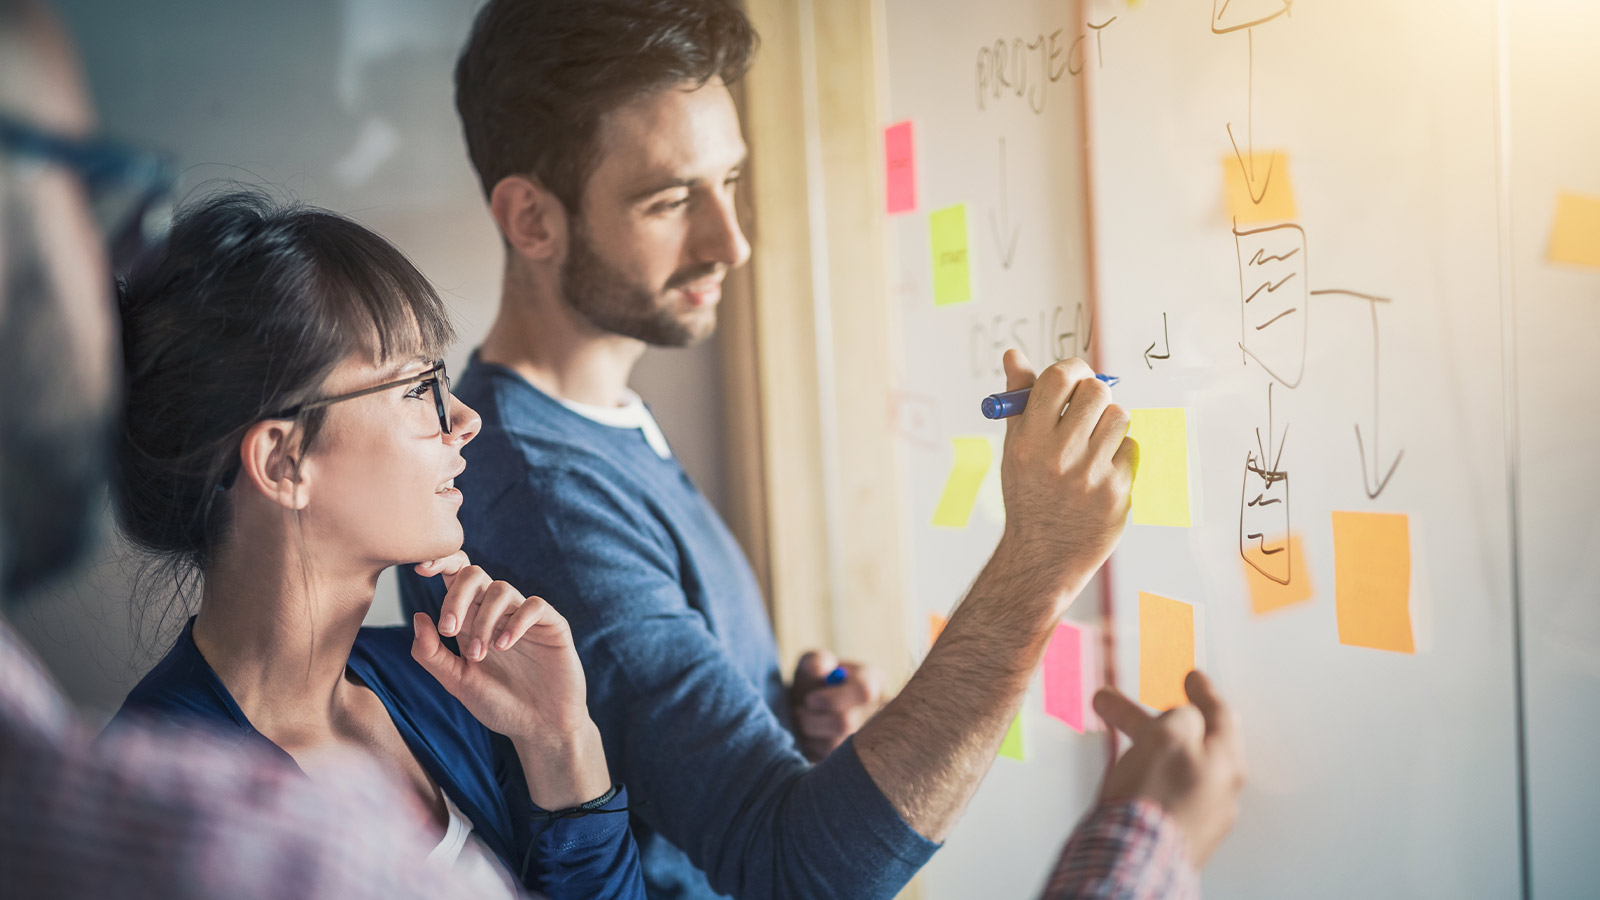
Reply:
x=130, y=189
x=435, y=378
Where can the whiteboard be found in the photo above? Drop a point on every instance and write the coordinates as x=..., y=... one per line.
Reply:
x=1550, y=51
x=995, y=132
x=1377, y=385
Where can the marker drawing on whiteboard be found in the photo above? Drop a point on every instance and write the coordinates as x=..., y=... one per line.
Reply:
x=1007, y=246
x=1166, y=346
x=1267, y=514
x=1373, y=480
x=1012, y=403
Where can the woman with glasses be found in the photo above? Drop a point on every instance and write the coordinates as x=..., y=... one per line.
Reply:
x=287, y=434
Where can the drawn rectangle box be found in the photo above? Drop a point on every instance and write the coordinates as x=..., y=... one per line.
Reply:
x=1264, y=520
x=1273, y=297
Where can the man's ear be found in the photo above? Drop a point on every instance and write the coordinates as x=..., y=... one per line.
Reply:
x=532, y=220
x=271, y=463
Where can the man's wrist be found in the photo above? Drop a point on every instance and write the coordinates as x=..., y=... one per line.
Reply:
x=1023, y=573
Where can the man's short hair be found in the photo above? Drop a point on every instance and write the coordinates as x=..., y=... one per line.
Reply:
x=537, y=77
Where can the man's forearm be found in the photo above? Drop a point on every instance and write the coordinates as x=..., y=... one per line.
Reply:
x=930, y=747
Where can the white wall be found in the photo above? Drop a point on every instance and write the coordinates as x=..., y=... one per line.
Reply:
x=347, y=105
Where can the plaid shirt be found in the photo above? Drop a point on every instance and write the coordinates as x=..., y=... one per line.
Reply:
x=146, y=813
x=1125, y=851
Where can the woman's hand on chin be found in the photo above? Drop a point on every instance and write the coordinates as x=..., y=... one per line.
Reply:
x=518, y=673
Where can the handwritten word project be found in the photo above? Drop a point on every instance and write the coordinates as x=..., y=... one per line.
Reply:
x=1026, y=68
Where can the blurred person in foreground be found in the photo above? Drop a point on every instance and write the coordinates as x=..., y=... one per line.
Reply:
x=142, y=813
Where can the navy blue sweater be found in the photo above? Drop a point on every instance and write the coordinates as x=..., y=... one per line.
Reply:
x=572, y=859
x=679, y=655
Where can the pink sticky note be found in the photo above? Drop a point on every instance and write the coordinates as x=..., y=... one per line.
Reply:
x=1063, y=676
x=900, y=158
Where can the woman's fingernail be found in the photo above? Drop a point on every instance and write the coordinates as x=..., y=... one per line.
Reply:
x=448, y=623
x=503, y=642
x=476, y=650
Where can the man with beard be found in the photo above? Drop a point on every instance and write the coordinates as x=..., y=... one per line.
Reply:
x=141, y=813
x=608, y=146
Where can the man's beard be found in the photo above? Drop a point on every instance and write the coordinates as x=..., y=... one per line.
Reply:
x=609, y=301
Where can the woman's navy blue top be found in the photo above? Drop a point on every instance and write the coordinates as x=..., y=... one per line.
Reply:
x=586, y=857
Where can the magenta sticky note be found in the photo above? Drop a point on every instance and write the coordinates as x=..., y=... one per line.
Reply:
x=1063, y=676
x=900, y=159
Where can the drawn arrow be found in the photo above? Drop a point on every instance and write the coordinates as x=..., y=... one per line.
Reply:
x=1248, y=166
x=1372, y=488
x=1165, y=343
x=1268, y=468
x=1255, y=13
x=999, y=229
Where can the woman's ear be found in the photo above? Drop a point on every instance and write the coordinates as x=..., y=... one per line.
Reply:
x=271, y=463
x=532, y=220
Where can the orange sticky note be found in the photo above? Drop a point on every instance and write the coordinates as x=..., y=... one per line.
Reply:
x=1372, y=580
x=901, y=168
x=1012, y=745
x=1575, y=235
x=1166, y=650
x=936, y=625
x=1265, y=575
x=1258, y=189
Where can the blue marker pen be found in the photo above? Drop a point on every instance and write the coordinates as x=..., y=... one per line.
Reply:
x=1011, y=403
x=836, y=677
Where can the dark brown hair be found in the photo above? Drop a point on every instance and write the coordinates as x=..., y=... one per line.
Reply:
x=537, y=76
x=242, y=312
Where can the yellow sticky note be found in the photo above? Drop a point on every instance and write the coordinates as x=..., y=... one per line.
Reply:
x=952, y=275
x=1166, y=650
x=1012, y=745
x=1372, y=580
x=1258, y=189
x=936, y=625
x=1575, y=236
x=961, y=488
x=1161, y=486
x=1267, y=593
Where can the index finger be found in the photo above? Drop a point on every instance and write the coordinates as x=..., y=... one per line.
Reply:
x=1121, y=713
x=1220, y=719
x=447, y=566
x=1019, y=375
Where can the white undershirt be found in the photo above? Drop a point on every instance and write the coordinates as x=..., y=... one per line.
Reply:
x=469, y=861
x=630, y=413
